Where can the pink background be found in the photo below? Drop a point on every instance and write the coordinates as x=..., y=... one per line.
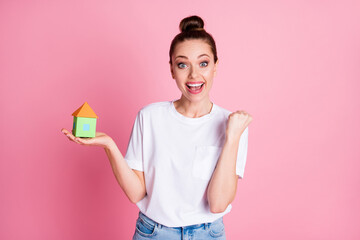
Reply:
x=293, y=65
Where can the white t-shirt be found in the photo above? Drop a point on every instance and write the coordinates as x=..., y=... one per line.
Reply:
x=178, y=155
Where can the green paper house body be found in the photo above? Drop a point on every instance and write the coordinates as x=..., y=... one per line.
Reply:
x=84, y=121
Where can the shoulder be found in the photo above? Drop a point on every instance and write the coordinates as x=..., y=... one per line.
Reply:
x=154, y=108
x=222, y=111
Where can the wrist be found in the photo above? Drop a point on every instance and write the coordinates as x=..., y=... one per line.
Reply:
x=232, y=139
x=110, y=144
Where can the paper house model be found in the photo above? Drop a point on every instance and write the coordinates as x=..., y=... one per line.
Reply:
x=84, y=121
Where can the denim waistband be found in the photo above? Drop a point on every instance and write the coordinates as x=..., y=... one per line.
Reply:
x=205, y=225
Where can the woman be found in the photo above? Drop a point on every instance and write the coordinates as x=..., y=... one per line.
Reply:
x=185, y=156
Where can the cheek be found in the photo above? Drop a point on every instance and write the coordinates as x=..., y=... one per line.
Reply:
x=179, y=78
x=179, y=75
x=209, y=73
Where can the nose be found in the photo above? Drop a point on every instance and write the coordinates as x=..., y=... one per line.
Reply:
x=193, y=72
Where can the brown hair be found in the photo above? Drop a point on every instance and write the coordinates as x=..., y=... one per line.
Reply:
x=193, y=28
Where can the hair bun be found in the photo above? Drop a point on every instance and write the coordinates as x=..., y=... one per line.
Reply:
x=191, y=23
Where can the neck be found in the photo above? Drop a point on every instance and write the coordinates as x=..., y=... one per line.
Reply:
x=193, y=109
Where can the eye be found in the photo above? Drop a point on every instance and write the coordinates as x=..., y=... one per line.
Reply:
x=181, y=65
x=204, y=64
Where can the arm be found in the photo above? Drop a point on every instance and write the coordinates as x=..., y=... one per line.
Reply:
x=223, y=183
x=131, y=181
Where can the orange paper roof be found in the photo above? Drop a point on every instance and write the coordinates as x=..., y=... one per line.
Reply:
x=85, y=111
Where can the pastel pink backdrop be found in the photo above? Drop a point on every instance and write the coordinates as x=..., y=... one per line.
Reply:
x=293, y=65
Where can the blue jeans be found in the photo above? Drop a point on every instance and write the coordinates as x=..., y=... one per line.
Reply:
x=147, y=228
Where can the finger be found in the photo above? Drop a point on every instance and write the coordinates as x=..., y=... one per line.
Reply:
x=63, y=130
x=69, y=135
x=85, y=141
x=238, y=112
x=79, y=140
x=66, y=132
x=244, y=113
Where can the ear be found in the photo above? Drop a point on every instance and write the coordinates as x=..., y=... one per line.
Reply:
x=171, y=70
x=215, y=67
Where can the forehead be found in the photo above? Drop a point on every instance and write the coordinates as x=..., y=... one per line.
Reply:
x=192, y=48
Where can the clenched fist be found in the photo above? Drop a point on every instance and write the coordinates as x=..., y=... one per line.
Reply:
x=237, y=123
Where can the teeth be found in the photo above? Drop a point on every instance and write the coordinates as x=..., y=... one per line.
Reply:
x=195, y=85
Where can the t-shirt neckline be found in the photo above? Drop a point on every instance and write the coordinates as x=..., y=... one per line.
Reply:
x=189, y=119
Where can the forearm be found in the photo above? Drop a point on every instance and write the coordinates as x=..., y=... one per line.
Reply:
x=222, y=187
x=130, y=183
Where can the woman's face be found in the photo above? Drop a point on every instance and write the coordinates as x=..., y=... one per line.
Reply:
x=193, y=69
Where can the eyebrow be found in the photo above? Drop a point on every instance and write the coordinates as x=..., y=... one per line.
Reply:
x=181, y=56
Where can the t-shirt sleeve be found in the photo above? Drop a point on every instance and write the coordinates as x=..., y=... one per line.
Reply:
x=134, y=153
x=242, y=153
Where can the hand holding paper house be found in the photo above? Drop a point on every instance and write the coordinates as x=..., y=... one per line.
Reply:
x=84, y=121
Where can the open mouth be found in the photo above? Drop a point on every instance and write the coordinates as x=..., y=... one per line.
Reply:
x=195, y=86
